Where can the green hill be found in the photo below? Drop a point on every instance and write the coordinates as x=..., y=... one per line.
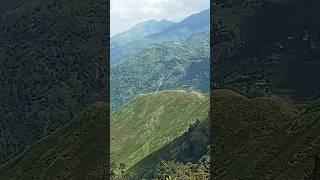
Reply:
x=151, y=121
x=186, y=157
x=166, y=66
x=77, y=151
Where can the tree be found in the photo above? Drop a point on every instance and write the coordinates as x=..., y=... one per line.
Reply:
x=113, y=165
x=122, y=167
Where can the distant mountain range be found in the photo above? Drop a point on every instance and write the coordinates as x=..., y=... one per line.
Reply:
x=139, y=31
x=175, y=58
x=151, y=32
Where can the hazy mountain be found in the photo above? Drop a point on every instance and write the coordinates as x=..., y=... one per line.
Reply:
x=180, y=31
x=193, y=22
x=140, y=30
x=52, y=63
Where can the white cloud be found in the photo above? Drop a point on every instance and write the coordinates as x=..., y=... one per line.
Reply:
x=126, y=13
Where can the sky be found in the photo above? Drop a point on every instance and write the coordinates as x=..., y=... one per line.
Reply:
x=127, y=13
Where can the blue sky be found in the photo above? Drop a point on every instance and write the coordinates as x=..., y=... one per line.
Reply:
x=127, y=13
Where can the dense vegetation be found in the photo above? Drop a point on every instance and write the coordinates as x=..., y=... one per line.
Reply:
x=159, y=67
x=263, y=138
x=265, y=48
x=268, y=47
x=52, y=63
x=77, y=151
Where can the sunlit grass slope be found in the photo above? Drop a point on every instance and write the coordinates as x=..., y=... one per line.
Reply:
x=151, y=121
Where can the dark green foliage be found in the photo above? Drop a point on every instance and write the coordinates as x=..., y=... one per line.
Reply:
x=263, y=138
x=122, y=168
x=77, y=151
x=316, y=169
x=167, y=66
x=52, y=63
x=270, y=48
x=264, y=48
x=179, y=171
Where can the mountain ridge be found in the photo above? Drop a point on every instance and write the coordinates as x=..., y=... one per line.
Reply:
x=177, y=33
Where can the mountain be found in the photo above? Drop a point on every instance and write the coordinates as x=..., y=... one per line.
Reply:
x=52, y=63
x=253, y=138
x=165, y=66
x=193, y=23
x=267, y=51
x=9, y=5
x=77, y=151
x=263, y=138
x=120, y=41
x=140, y=30
x=157, y=121
x=169, y=135
x=252, y=61
x=180, y=31
x=150, y=122
x=186, y=157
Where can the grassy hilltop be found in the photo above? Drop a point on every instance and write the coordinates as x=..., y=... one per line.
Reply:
x=151, y=121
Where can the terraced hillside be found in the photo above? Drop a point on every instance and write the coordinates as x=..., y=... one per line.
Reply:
x=150, y=122
x=77, y=151
x=52, y=63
